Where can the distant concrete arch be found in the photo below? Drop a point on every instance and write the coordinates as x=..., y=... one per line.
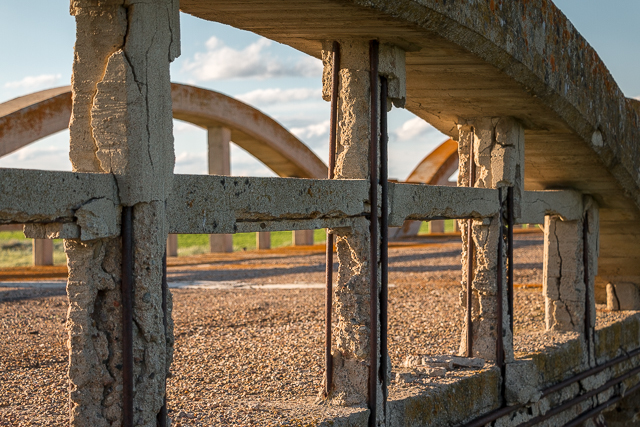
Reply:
x=437, y=166
x=434, y=169
x=28, y=118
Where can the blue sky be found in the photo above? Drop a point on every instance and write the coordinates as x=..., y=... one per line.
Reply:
x=38, y=43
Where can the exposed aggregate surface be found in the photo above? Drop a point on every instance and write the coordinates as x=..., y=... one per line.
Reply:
x=255, y=356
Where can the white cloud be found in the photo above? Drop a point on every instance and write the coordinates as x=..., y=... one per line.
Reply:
x=315, y=130
x=412, y=128
x=221, y=62
x=637, y=97
x=191, y=163
x=280, y=96
x=34, y=82
x=180, y=126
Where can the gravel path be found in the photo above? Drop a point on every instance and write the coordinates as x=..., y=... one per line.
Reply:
x=255, y=356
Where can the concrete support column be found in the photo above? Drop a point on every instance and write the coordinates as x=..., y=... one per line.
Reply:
x=567, y=296
x=436, y=226
x=121, y=124
x=302, y=237
x=219, y=158
x=263, y=240
x=42, y=251
x=499, y=161
x=352, y=349
x=172, y=245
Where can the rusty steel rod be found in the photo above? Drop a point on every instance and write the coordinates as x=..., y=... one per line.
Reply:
x=587, y=295
x=578, y=399
x=127, y=315
x=328, y=358
x=510, y=221
x=163, y=414
x=470, y=251
x=500, y=296
x=492, y=416
x=373, y=231
x=384, y=239
x=598, y=409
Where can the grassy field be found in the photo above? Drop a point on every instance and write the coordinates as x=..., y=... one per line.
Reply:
x=16, y=250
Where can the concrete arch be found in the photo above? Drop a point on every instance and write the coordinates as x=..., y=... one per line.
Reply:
x=437, y=166
x=28, y=118
x=434, y=169
x=520, y=59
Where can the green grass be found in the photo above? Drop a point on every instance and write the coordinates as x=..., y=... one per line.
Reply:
x=17, y=251
x=449, y=226
x=194, y=244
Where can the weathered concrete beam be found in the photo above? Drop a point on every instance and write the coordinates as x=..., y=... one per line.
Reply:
x=222, y=204
x=53, y=196
x=537, y=204
x=425, y=202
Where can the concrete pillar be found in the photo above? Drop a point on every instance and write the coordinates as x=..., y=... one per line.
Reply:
x=352, y=349
x=499, y=159
x=219, y=158
x=172, y=245
x=564, y=288
x=436, y=226
x=263, y=240
x=42, y=252
x=302, y=237
x=121, y=124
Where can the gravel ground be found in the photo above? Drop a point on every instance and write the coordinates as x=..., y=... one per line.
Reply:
x=255, y=356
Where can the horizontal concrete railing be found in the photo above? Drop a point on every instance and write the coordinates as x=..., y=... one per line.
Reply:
x=207, y=204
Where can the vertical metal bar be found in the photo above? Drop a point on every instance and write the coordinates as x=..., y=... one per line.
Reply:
x=384, y=240
x=127, y=315
x=500, y=300
x=587, y=294
x=162, y=416
x=328, y=358
x=470, y=257
x=500, y=312
x=511, y=269
x=373, y=286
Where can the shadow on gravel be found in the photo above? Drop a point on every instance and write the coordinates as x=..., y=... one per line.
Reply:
x=22, y=294
x=245, y=274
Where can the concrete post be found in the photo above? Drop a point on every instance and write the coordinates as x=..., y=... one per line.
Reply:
x=564, y=288
x=436, y=226
x=302, y=237
x=499, y=159
x=121, y=124
x=219, y=157
x=263, y=240
x=42, y=252
x=351, y=296
x=172, y=245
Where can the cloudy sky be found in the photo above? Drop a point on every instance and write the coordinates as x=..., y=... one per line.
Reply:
x=38, y=37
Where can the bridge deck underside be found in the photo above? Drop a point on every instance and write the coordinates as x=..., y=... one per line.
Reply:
x=447, y=83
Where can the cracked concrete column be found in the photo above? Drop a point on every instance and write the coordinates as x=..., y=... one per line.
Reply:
x=563, y=270
x=499, y=160
x=121, y=124
x=218, y=146
x=352, y=346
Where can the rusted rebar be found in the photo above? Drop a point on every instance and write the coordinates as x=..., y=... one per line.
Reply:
x=373, y=231
x=127, y=315
x=162, y=415
x=384, y=240
x=500, y=292
x=470, y=257
x=587, y=279
x=329, y=245
x=510, y=223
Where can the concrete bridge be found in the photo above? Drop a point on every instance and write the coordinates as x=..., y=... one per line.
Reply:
x=544, y=136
